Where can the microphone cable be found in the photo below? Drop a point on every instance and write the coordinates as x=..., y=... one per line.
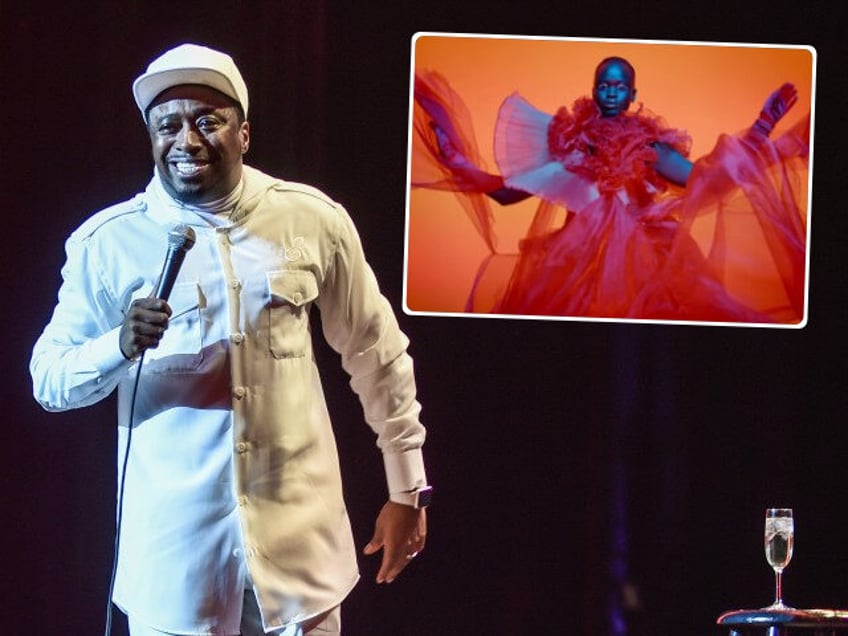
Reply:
x=181, y=239
x=120, y=501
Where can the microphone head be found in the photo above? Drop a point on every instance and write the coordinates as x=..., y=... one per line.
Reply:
x=181, y=237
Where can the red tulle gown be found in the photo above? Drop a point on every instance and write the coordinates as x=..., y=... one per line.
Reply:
x=730, y=247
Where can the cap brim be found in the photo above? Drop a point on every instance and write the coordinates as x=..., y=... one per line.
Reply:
x=149, y=85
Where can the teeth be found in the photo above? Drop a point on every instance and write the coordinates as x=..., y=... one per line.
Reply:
x=188, y=168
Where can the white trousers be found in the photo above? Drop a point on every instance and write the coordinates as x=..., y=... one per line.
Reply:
x=328, y=624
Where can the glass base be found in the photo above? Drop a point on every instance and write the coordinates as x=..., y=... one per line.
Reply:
x=777, y=606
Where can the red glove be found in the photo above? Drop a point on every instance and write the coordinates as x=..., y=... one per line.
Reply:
x=447, y=150
x=776, y=106
x=466, y=175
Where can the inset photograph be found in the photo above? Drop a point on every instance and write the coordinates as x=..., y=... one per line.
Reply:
x=609, y=180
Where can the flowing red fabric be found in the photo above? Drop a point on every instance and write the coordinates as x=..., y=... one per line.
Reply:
x=437, y=104
x=730, y=247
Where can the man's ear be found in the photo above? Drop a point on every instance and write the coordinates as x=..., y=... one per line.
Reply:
x=245, y=137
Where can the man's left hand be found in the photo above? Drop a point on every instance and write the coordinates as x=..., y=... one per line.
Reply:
x=401, y=532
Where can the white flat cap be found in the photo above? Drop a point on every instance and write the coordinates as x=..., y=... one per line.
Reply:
x=190, y=64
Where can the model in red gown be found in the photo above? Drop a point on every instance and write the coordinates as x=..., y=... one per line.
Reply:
x=648, y=234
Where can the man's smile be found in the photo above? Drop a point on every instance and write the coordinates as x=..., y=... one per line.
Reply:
x=189, y=168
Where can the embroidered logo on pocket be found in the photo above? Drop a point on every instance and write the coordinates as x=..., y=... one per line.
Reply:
x=295, y=252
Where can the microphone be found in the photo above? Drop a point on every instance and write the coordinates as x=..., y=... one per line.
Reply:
x=180, y=240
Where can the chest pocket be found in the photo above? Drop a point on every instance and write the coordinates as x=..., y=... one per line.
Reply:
x=181, y=348
x=290, y=294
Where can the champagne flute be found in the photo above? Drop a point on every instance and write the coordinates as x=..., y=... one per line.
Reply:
x=779, y=541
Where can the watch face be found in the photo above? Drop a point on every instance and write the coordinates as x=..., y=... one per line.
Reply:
x=424, y=497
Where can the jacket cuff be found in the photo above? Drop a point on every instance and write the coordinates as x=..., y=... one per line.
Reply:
x=405, y=471
x=105, y=352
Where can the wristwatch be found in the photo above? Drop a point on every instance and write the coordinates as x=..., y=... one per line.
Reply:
x=418, y=498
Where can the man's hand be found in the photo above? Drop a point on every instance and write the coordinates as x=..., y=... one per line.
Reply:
x=401, y=532
x=144, y=325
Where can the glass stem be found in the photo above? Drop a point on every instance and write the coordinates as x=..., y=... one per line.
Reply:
x=778, y=587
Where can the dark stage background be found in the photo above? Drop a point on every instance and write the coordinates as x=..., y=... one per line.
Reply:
x=592, y=479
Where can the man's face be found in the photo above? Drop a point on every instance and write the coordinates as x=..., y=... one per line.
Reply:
x=197, y=142
x=614, y=91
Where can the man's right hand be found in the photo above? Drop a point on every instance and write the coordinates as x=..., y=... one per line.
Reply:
x=144, y=325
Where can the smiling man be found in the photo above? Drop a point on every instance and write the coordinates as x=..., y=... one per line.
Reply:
x=232, y=517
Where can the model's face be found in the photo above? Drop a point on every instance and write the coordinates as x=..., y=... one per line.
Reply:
x=197, y=143
x=614, y=90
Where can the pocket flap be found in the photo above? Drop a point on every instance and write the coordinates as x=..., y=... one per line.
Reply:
x=184, y=297
x=295, y=287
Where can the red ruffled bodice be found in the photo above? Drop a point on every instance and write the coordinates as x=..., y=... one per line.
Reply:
x=613, y=152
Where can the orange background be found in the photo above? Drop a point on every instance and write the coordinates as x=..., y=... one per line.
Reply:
x=704, y=88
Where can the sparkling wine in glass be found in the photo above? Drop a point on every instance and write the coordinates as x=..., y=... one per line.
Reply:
x=779, y=540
